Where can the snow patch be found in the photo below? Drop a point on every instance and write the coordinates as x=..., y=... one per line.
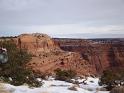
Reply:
x=56, y=86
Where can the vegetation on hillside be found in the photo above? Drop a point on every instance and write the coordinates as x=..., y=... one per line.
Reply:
x=64, y=75
x=14, y=71
x=112, y=78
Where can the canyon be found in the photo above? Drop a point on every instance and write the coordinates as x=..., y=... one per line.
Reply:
x=101, y=53
x=85, y=56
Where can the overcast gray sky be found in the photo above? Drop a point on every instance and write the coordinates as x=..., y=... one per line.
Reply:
x=62, y=17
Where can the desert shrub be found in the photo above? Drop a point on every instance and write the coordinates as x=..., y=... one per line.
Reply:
x=112, y=78
x=41, y=75
x=117, y=90
x=73, y=88
x=64, y=75
x=15, y=67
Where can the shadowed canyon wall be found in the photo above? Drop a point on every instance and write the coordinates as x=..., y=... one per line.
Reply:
x=101, y=53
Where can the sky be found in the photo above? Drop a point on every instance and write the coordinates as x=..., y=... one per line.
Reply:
x=63, y=18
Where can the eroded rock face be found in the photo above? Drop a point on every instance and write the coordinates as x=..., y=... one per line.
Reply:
x=47, y=55
x=101, y=54
x=36, y=43
x=63, y=60
x=83, y=56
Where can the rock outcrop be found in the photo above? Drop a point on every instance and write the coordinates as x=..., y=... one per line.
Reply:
x=47, y=55
x=36, y=43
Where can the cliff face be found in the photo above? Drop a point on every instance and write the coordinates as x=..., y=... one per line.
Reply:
x=36, y=43
x=83, y=56
x=47, y=55
x=100, y=54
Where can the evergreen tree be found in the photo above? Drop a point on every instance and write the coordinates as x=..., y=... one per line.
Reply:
x=15, y=67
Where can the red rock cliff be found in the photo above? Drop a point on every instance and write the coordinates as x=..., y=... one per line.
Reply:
x=47, y=55
x=100, y=54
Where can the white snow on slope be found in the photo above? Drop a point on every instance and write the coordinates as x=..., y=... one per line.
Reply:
x=56, y=86
x=92, y=84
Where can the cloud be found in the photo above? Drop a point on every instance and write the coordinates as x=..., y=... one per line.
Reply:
x=18, y=5
x=61, y=16
x=40, y=12
x=64, y=29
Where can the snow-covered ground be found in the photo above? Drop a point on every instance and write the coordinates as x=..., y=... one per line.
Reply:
x=56, y=86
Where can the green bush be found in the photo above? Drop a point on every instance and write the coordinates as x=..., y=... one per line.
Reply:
x=64, y=75
x=112, y=78
x=15, y=67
